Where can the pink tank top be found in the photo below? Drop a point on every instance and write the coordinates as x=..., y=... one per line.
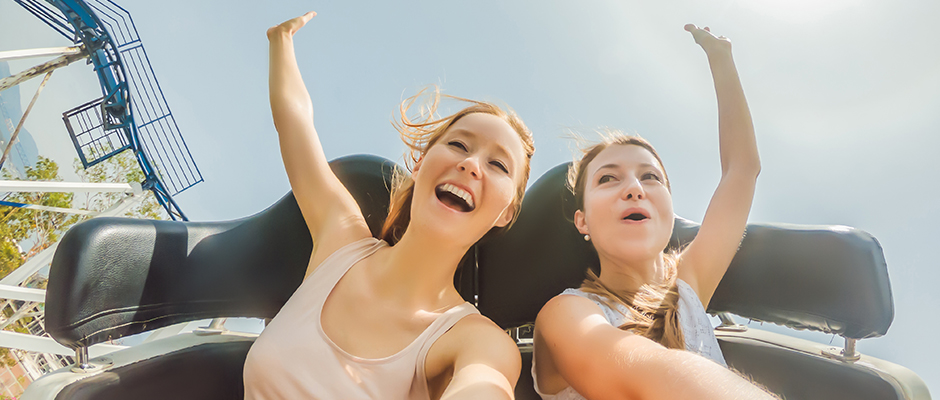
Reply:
x=294, y=359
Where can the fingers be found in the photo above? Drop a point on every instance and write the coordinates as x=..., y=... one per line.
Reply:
x=708, y=40
x=291, y=26
x=701, y=33
x=295, y=24
x=310, y=14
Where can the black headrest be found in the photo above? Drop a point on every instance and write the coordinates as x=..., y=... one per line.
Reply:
x=113, y=277
x=831, y=279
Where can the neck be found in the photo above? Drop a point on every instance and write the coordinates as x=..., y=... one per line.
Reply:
x=419, y=270
x=629, y=275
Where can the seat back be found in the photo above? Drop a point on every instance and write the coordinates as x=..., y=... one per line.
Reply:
x=831, y=279
x=113, y=277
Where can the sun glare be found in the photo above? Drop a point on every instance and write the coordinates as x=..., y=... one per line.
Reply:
x=799, y=11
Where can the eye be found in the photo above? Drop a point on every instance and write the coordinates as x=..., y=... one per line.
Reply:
x=604, y=179
x=500, y=165
x=650, y=175
x=457, y=144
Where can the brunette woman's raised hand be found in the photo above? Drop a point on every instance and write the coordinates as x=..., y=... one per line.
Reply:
x=706, y=259
x=709, y=42
x=332, y=215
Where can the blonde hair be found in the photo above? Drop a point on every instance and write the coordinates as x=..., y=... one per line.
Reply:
x=423, y=130
x=653, y=307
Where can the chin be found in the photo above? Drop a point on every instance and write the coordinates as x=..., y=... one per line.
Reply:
x=627, y=250
x=444, y=231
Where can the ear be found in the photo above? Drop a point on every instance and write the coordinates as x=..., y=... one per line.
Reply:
x=580, y=223
x=417, y=164
x=506, y=217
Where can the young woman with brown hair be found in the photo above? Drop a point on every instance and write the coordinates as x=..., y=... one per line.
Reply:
x=381, y=318
x=633, y=331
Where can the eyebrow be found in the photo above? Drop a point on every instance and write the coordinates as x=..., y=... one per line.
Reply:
x=501, y=151
x=648, y=165
x=615, y=166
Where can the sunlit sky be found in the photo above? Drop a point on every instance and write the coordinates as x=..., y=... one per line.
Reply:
x=844, y=94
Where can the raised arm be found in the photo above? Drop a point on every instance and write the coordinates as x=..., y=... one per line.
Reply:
x=331, y=213
x=706, y=259
x=602, y=362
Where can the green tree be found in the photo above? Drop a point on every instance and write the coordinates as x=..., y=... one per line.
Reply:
x=34, y=228
x=38, y=229
x=25, y=232
x=121, y=168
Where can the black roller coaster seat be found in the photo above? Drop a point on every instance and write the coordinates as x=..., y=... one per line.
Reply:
x=113, y=277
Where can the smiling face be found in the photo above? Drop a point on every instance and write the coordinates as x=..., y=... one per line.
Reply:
x=467, y=181
x=627, y=206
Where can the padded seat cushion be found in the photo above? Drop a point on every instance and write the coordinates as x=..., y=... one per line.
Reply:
x=113, y=277
x=206, y=372
x=797, y=375
x=793, y=374
x=832, y=279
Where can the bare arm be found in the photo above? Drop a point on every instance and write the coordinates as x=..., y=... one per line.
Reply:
x=486, y=361
x=706, y=260
x=331, y=213
x=602, y=362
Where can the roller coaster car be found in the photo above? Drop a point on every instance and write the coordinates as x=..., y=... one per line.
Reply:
x=114, y=277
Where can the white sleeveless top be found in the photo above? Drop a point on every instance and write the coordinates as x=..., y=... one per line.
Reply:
x=293, y=358
x=696, y=328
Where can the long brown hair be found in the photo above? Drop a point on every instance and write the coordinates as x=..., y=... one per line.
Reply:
x=652, y=309
x=421, y=131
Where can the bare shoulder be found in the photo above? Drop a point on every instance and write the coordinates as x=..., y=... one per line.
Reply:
x=563, y=312
x=337, y=234
x=480, y=340
x=474, y=359
x=594, y=357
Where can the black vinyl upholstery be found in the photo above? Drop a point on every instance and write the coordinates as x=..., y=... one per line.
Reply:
x=113, y=277
x=797, y=375
x=823, y=278
x=792, y=374
x=211, y=371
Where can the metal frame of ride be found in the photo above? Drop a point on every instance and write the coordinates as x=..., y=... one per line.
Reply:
x=131, y=114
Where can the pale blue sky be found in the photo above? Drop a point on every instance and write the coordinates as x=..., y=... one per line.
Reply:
x=844, y=98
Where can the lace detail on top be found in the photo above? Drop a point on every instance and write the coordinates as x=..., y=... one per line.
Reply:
x=567, y=393
x=696, y=328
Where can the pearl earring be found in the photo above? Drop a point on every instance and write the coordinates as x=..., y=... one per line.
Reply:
x=587, y=238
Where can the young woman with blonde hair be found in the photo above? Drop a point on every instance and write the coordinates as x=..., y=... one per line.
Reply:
x=381, y=318
x=638, y=330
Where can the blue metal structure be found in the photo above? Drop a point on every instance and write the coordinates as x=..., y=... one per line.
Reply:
x=132, y=112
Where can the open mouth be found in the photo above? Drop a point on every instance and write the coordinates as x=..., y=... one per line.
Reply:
x=635, y=217
x=454, y=197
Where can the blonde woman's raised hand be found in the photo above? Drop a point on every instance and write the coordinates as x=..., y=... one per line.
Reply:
x=331, y=213
x=710, y=43
x=291, y=26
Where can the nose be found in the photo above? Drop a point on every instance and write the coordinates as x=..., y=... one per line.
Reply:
x=470, y=165
x=633, y=190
